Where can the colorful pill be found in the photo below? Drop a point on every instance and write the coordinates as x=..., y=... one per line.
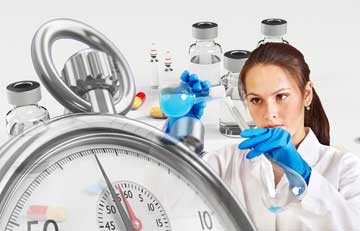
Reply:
x=95, y=189
x=138, y=100
x=156, y=113
x=56, y=213
x=37, y=212
x=141, y=95
x=43, y=212
x=136, y=103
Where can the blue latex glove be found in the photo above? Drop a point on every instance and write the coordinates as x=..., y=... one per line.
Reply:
x=277, y=145
x=198, y=87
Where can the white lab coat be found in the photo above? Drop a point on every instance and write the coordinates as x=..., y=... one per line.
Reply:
x=332, y=201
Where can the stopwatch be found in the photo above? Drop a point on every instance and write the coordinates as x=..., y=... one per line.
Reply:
x=95, y=169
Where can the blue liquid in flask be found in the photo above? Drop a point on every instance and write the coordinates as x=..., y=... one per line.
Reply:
x=178, y=101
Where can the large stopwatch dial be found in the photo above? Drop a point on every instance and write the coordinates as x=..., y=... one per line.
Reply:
x=63, y=194
x=144, y=209
x=53, y=179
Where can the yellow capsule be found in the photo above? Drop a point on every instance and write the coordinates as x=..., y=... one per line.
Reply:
x=156, y=113
x=136, y=103
x=56, y=213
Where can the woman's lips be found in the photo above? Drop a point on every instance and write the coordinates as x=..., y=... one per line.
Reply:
x=274, y=125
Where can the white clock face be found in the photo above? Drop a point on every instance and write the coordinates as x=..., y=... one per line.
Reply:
x=68, y=192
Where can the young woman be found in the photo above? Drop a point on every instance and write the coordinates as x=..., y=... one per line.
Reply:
x=293, y=129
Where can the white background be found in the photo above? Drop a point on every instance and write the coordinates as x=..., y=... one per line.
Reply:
x=326, y=32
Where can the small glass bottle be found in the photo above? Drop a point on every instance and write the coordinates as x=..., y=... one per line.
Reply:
x=154, y=67
x=205, y=54
x=233, y=63
x=24, y=95
x=273, y=30
x=168, y=62
x=205, y=61
x=167, y=74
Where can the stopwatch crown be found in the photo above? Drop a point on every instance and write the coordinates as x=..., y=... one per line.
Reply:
x=90, y=69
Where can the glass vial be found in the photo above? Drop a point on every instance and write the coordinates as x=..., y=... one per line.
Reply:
x=273, y=30
x=154, y=67
x=167, y=75
x=233, y=63
x=205, y=54
x=205, y=61
x=24, y=95
x=168, y=62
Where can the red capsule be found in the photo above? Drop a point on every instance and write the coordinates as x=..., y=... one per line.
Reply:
x=141, y=95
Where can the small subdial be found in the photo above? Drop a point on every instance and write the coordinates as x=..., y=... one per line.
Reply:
x=143, y=208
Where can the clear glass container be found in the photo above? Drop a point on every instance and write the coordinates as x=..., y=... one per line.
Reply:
x=233, y=62
x=26, y=113
x=23, y=117
x=273, y=30
x=205, y=54
x=154, y=79
x=205, y=60
x=167, y=74
x=177, y=101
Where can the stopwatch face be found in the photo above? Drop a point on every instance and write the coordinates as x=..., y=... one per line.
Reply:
x=148, y=208
x=55, y=182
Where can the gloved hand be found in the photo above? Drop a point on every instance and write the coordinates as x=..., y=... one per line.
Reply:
x=277, y=145
x=197, y=86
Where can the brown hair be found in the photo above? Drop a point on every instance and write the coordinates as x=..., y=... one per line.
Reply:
x=292, y=60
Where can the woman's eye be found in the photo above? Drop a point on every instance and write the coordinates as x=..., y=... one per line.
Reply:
x=282, y=96
x=255, y=100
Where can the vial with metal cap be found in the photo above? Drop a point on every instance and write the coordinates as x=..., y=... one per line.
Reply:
x=205, y=53
x=24, y=95
x=233, y=63
x=273, y=30
x=205, y=61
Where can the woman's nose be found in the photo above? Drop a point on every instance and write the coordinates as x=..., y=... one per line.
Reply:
x=271, y=111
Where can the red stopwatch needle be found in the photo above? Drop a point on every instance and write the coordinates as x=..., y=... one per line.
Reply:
x=136, y=223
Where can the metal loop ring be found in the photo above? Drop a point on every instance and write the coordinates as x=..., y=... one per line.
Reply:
x=43, y=63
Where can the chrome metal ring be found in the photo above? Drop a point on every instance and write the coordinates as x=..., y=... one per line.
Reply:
x=43, y=63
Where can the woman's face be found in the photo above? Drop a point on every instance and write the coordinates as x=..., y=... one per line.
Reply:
x=275, y=100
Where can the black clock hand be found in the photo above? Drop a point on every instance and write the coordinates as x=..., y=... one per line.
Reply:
x=127, y=226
